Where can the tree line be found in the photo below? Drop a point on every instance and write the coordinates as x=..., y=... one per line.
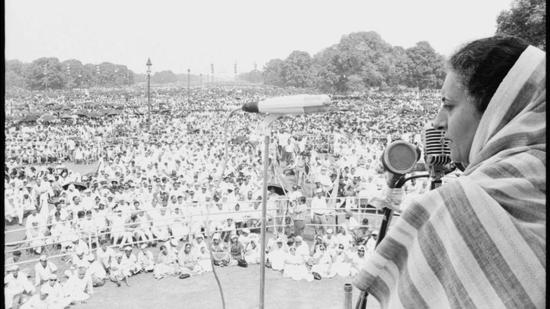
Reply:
x=50, y=73
x=363, y=59
x=359, y=61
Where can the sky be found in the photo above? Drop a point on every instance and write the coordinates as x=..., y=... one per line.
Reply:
x=180, y=35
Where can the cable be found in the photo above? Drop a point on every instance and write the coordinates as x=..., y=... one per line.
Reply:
x=207, y=229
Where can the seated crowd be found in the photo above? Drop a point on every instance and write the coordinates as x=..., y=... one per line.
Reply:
x=156, y=186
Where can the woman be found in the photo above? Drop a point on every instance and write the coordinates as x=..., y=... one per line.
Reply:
x=252, y=253
x=322, y=262
x=204, y=259
x=295, y=266
x=358, y=260
x=166, y=264
x=188, y=261
x=341, y=264
x=479, y=240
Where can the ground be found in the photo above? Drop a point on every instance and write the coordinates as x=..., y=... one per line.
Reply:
x=240, y=288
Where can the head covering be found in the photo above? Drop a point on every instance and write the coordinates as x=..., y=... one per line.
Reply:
x=216, y=236
x=329, y=231
x=198, y=235
x=173, y=242
x=144, y=245
x=245, y=230
x=43, y=257
x=91, y=257
x=13, y=268
x=482, y=236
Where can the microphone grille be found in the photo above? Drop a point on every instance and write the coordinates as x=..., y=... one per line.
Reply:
x=436, y=148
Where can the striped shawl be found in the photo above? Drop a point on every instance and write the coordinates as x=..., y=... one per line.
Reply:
x=479, y=241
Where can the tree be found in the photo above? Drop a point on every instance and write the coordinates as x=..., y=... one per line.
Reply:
x=296, y=70
x=273, y=73
x=526, y=19
x=164, y=77
x=15, y=74
x=45, y=73
x=327, y=71
x=76, y=74
x=425, y=66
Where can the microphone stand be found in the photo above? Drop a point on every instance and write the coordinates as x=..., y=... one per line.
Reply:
x=388, y=215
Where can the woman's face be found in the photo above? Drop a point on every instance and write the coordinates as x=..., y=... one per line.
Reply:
x=459, y=117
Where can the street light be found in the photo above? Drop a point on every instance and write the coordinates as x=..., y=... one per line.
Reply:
x=149, y=64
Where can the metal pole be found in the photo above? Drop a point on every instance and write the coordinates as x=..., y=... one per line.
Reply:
x=264, y=211
x=149, y=95
x=348, y=294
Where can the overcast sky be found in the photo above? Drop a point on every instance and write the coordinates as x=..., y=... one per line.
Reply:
x=177, y=35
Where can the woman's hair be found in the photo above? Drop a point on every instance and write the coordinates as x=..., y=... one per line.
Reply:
x=482, y=65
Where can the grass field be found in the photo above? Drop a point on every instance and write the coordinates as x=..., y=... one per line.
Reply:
x=240, y=288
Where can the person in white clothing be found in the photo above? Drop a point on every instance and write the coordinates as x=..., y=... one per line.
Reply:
x=341, y=263
x=56, y=294
x=358, y=260
x=43, y=270
x=277, y=256
x=145, y=259
x=79, y=287
x=295, y=266
x=319, y=211
x=302, y=248
x=96, y=271
x=129, y=262
x=16, y=287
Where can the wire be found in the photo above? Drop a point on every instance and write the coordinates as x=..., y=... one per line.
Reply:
x=217, y=185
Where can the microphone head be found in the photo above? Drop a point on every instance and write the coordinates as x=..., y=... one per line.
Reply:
x=400, y=157
x=437, y=152
x=250, y=107
x=291, y=104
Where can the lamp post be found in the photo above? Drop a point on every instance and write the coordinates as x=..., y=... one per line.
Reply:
x=188, y=86
x=149, y=64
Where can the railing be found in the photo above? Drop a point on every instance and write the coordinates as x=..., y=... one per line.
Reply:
x=277, y=215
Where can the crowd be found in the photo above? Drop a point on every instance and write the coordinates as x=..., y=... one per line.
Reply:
x=156, y=186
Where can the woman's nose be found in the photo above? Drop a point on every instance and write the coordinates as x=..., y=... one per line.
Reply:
x=440, y=121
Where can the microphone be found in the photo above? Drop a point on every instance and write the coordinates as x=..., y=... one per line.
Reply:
x=292, y=104
x=399, y=158
x=437, y=154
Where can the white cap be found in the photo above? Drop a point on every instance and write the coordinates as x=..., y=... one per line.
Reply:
x=329, y=231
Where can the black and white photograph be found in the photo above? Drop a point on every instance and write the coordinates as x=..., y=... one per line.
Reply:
x=274, y=154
